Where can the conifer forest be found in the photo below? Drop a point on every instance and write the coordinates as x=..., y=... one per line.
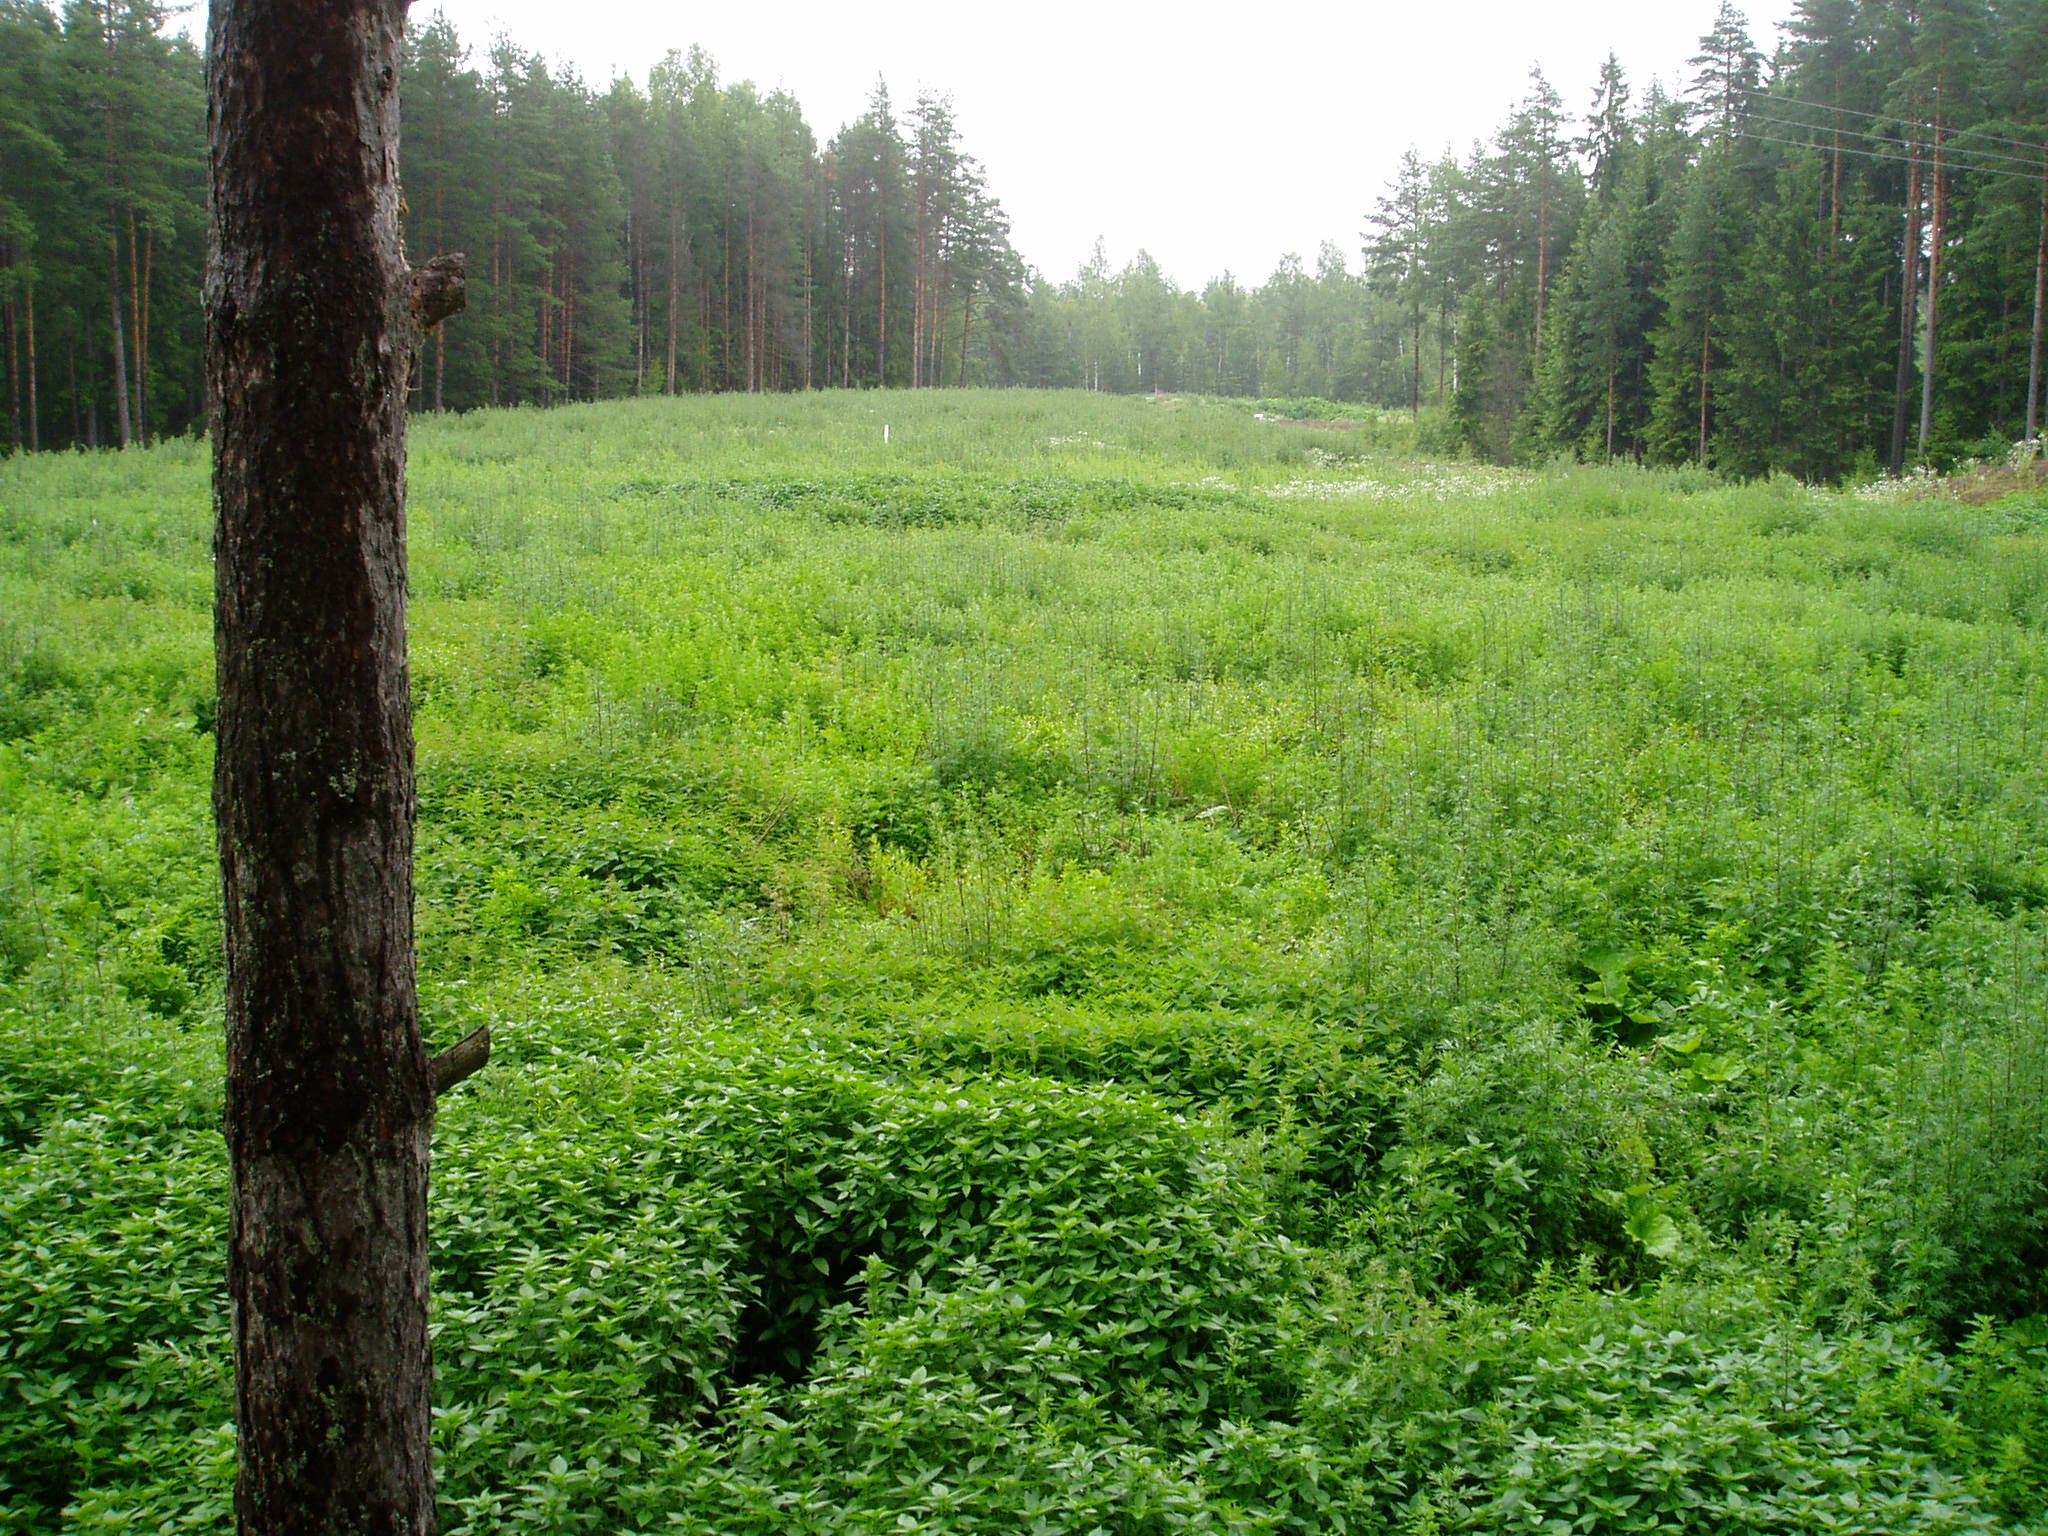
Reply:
x=1821, y=261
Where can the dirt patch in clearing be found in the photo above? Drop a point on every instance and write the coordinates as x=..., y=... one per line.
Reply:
x=1976, y=487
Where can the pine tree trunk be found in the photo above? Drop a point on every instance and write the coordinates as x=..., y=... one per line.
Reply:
x=1610, y=390
x=753, y=330
x=121, y=416
x=142, y=331
x=13, y=325
x=2033, y=350
x=1909, y=307
x=35, y=435
x=966, y=332
x=312, y=326
x=1707, y=358
x=675, y=291
x=138, y=309
x=1937, y=229
x=1415, y=364
x=1542, y=254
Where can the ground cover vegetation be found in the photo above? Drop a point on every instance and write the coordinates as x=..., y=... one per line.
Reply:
x=1099, y=965
x=1821, y=262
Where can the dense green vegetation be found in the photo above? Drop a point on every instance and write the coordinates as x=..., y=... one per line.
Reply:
x=1105, y=965
x=1819, y=264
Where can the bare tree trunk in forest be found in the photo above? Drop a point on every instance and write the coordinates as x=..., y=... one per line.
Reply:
x=138, y=319
x=1443, y=349
x=35, y=433
x=675, y=290
x=13, y=325
x=1542, y=252
x=1909, y=305
x=1610, y=390
x=1937, y=230
x=919, y=284
x=966, y=332
x=313, y=323
x=121, y=416
x=1415, y=364
x=2033, y=350
x=753, y=349
x=142, y=330
x=1707, y=356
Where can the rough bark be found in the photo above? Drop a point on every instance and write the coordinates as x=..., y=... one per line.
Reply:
x=1937, y=235
x=2033, y=347
x=1909, y=305
x=313, y=325
x=34, y=416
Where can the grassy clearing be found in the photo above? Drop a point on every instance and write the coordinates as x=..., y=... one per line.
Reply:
x=1100, y=964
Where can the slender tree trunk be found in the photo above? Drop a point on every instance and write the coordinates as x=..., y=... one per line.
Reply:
x=1610, y=391
x=1909, y=307
x=1443, y=349
x=2033, y=350
x=1542, y=253
x=1707, y=357
x=1835, y=190
x=35, y=433
x=966, y=331
x=138, y=317
x=121, y=417
x=13, y=326
x=753, y=330
x=1937, y=231
x=675, y=288
x=312, y=326
x=917, y=295
x=1415, y=363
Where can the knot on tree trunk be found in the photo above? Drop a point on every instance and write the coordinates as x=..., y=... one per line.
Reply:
x=439, y=289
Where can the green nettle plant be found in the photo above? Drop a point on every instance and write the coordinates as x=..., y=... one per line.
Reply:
x=1219, y=985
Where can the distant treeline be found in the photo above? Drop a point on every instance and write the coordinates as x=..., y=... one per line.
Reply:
x=1823, y=262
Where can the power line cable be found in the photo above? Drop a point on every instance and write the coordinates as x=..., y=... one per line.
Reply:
x=1960, y=157
x=1892, y=117
x=1889, y=159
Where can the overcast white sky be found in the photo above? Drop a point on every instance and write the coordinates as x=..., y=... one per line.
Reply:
x=1217, y=137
